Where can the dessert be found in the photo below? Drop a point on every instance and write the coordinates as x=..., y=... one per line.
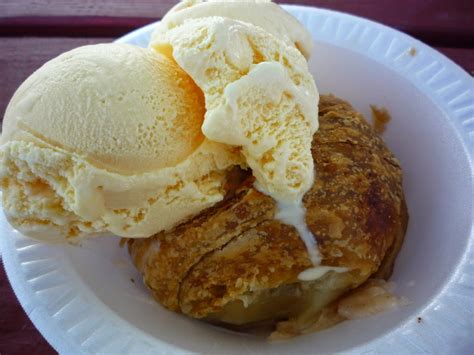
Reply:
x=237, y=264
x=203, y=150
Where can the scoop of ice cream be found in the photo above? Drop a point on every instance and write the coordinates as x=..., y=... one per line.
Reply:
x=261, y=13
x=108, y=138
x=127, y=109
x=259, y=94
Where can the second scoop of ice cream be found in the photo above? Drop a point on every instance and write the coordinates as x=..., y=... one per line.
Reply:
x=260, y=96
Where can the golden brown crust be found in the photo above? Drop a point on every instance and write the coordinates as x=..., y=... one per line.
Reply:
x=386, y=268
x=355, y=210
x=263, y=257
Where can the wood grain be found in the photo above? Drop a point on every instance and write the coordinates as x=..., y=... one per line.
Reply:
x=437, y=22
x=19, y=57
x=115, y=8
x=44, y=26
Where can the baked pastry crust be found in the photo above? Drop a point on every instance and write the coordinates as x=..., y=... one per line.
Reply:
x=235, y=264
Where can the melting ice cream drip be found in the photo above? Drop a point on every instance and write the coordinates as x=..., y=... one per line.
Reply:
x=293, y=213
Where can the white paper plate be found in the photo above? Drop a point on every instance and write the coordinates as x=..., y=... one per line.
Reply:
x=82, y=298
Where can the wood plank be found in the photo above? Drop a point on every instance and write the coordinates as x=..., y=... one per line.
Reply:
x=97, y=26
x=19, y=57
x=114, y=8
x=437, y=22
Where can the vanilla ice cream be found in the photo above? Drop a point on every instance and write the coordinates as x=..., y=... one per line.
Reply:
x=262, y=13
x=107, y=138
x=115, y=138
x=259, y=96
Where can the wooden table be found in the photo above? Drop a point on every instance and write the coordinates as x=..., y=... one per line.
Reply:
x=34, y=31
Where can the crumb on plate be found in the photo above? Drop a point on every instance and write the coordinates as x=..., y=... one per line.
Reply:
x=380, y=118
